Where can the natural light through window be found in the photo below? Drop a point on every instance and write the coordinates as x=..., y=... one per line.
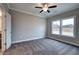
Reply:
x=56, y=27
x=66, y=28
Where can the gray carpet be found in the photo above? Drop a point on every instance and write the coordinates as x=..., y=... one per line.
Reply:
x=42, y=47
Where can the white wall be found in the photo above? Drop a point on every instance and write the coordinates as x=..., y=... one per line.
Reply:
x=74, y=40
x=26, y=27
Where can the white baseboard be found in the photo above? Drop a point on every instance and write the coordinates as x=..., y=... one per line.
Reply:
x=27, y=40
x=65, y=41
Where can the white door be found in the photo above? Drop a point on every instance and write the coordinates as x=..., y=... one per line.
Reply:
x=3, y=29
x=2, y=13
x=8, y=30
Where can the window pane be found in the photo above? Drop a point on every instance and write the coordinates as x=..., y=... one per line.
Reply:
x=68, y=27
x=56, y=27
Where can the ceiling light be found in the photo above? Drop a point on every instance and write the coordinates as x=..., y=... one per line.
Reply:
x=45, y=9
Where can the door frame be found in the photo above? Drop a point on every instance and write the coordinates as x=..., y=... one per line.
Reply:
x=3, y=40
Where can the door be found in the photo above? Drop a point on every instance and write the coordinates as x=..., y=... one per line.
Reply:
x=8, y=30
x=2, y=13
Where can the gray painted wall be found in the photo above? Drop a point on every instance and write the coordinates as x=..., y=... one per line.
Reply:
x=26, y=27
x=61, y=16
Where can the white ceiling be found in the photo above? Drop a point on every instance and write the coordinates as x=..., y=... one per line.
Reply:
x=30, y=8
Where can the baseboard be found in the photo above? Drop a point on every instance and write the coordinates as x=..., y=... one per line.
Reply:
x=27, y=40
x=72, y=43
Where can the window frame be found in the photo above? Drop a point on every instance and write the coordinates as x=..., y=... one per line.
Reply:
x=52, y=29
x=74, y=27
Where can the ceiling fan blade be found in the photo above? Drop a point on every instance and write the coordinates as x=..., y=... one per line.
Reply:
x=38, y=7
x=52, y=6
x=41, y=11
x=48, y=11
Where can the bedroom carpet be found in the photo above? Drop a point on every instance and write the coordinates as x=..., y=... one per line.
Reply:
x=42, y=47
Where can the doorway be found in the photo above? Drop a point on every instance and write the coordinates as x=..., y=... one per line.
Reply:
x=0, y=30
x=5, y=30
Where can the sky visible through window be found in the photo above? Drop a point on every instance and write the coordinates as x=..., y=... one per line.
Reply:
x=66, y=28
x=68, y=21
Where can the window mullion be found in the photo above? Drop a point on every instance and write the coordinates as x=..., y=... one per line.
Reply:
x=60, y=27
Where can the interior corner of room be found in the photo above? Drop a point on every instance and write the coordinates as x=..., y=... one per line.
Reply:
x=17, y=25
x=65, y=38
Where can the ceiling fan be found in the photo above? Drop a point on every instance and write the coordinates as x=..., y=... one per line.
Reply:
x=45, y=7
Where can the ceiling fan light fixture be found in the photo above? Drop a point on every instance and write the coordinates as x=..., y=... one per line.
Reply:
x=45, y=9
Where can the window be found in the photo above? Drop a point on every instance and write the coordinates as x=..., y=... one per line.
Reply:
x=63, y=27
x=56, y=27
x=67, y=27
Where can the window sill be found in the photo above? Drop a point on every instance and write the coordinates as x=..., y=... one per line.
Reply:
x=64, y=35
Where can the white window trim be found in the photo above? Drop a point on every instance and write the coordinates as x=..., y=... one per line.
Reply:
x=74, y=29
x=59, y=28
